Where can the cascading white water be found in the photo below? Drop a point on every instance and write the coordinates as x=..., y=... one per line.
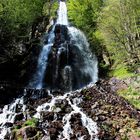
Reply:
x=37, y=80
x=62, y=14
x=87, y=122
x=87, y=65
x=90, y=64
x=8, y=116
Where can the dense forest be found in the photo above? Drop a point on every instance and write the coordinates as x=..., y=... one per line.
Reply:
x=112, y=28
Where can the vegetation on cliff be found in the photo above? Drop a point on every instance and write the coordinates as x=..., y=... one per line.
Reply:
x=22, y=25
x=19, y=22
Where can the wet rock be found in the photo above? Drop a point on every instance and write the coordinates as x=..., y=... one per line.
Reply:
x=101, y=118
x=109, y=110
x=28, y=133
x=54, y=130
x=113, y=114
x=8, y=124
x=1, y=110
x=19, y=116
x=48, y=116
x=68, y=109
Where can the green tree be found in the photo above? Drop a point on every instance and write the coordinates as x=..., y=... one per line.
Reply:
x=119, y=28
x=18, y=22
x=83, y=14
x=17, y=14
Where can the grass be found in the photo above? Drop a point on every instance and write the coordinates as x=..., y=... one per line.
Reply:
x=132, y=96
x=121, y=71
x=137, y=132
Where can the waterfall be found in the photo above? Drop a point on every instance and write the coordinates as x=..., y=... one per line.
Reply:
x=42, y=62
x=73, y=102
x=67, y=47
x=62, y=14
x=90, y=64
x=65, y=63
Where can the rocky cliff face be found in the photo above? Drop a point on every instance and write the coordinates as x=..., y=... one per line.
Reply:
x=19, y=55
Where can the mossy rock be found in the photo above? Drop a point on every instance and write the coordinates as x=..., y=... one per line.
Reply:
x=31, y=122
x=28, y=133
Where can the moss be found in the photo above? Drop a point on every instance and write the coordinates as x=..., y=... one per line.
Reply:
x=87, y=94
x=105, y=127
x=17, y=135
x=32, y=122
x=125, y=138
x=19, y=138
x=17, y=127
x=121, y=71
x=137, y=133
x=87, y=97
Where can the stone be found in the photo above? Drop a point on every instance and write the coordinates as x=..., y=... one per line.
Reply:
x=8, y=124
x=29, y=133
x=19, y=117
x=57, y=109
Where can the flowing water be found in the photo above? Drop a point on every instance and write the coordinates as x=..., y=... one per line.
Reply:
x=65, y=63
x=62, y=14
x=7, y=117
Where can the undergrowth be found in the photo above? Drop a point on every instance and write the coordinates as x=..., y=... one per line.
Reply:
x=132, y=96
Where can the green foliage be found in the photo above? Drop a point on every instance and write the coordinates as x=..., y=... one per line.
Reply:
x=1, y=9
x=17, y=13
x=18, y=16
x=132, y=96
x=118, y=24
x=32, y=122
x=84, y=14
x=137, y=132
x=121, y=71
x=19, y=19
x=50, y=8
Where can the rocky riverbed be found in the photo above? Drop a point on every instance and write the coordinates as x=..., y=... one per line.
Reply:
x=116, y=119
